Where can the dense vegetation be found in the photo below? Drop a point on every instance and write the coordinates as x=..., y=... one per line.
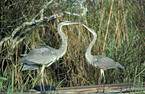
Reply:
x=119, y=25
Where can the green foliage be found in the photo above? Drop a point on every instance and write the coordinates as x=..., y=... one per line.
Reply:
x=1, y=82
x=118, y=24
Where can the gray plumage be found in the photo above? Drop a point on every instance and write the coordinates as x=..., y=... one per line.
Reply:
x=42, y=55
x=99, y=61
x=104, y=62
x=45, y=55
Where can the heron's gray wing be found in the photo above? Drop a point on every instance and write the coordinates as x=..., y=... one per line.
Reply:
x=45, y=46
x=95, y=60
x=39, y=56
x=104, y=62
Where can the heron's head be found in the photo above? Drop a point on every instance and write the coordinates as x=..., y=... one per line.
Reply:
x=67, y=23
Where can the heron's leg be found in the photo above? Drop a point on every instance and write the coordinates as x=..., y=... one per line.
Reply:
x=41, y=76
x=100, y=80
x=104, y=79
x=40, y=83
x=43, y=82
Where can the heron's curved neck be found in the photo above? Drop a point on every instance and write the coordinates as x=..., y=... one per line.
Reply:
x=63, y=47
x=88, y=52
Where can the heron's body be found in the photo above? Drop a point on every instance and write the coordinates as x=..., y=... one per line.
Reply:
x=42, y=55
x=99, y=61
x=45, y=55
x=103, y=62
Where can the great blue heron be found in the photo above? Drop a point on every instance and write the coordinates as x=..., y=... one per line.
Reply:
x=45, y=55
x=99, y=61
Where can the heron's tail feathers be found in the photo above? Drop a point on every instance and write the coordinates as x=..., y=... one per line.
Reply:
x=119, y=65
x=30, y=67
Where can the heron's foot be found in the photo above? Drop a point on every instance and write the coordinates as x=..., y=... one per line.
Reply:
x=46, y=88
x=104, y=87
x=97, y=91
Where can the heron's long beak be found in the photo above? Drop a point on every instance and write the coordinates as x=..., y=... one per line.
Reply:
x=91, y=30
x=74, y=23
x=86, y=27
